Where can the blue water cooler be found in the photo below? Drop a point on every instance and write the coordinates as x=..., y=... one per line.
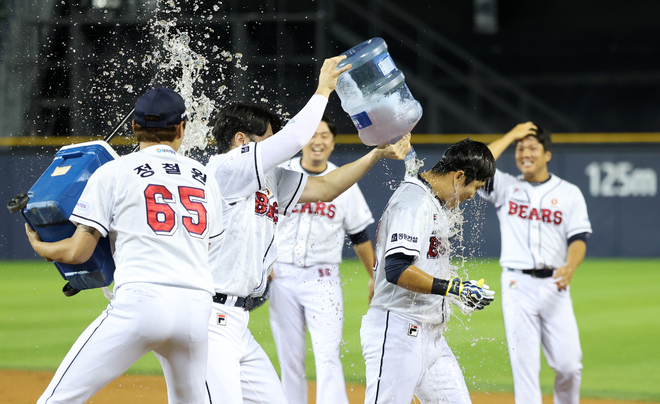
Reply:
x=50, y=202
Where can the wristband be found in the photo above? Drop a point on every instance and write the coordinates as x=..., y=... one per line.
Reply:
x=439, y=287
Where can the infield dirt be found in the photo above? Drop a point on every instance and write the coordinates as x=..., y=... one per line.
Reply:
x=25, y=387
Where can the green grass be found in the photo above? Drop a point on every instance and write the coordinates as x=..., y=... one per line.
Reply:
x=618, y=315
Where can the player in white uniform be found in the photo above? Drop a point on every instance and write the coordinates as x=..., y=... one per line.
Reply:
x=255, y=193
x=402, y=342
x=306, y=289
x=544, y=227
x=160, y=211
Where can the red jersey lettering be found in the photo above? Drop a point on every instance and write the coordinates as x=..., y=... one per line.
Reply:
x=513, y=208
x=260, y=203
x=306, y=208
x=545, y=215
x=558, y=216
x=435, y=248
x=534, y=215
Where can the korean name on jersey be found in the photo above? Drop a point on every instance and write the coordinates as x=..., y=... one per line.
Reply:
x=160, y=196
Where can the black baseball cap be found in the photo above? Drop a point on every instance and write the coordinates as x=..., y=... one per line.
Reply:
x=163, y=103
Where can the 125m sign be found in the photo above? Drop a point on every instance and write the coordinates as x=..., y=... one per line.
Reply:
x=621, y=179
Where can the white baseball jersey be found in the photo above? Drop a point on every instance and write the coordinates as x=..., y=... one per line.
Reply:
x=159, y=210
x=414, y=223
x=179, y=210
x=253, y=201
x=536, y=220
x=314, y=233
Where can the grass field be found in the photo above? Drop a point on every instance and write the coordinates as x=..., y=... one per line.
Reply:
x=617, y=310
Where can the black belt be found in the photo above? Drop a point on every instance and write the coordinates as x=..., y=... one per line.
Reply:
x=222, y=299
x=536, y=273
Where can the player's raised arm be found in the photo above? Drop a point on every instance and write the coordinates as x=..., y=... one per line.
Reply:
x=300, y=129
x=520, y=131
x=326, y=188
x=76, y=249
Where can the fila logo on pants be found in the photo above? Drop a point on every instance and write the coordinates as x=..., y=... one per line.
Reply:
x=545, y=215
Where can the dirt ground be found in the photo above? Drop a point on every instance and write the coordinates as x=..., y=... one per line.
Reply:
x=24, y=387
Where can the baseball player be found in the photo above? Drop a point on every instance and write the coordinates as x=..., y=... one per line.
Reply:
x=402, y=342
x=160, y=210
x=306, y=289
x=544, y=226
x=255, y=193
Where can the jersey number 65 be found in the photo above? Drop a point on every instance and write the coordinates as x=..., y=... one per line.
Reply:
x=163, y=219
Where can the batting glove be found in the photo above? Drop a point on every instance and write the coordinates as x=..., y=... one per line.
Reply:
x=475, y=295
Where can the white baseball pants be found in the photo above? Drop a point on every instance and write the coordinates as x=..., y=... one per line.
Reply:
x=144, y=317
x=405, y=358
x=239, y=371
x=537, y=314
x=309, y=297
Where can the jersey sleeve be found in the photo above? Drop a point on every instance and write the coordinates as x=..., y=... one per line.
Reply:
x=296, y=134
x=290, y=186
x=405, y=230
x=94, y=207
x=215, y=203
x=358, y=216
x=239, y=172
x=578, y=217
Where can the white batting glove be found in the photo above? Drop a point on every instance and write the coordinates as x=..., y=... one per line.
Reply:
x=475, y=295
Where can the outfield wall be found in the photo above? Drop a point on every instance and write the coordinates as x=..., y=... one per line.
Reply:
x=619, y=182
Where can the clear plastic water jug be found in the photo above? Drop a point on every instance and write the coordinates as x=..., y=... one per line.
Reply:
x=375, y=95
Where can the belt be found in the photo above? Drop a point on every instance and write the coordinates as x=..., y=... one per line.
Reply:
x=536, y=273
x=222, y=299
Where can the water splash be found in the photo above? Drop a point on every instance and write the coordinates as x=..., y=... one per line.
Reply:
x=412, y=163
x=178, y=56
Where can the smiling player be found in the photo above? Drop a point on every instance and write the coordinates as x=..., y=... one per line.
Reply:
x=307, y=290
x=544, y=228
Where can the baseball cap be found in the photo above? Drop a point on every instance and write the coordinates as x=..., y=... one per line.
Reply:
x=163, y=103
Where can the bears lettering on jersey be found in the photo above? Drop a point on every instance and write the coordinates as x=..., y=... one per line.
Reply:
x=320, y=208
x=262, y=206
x=545, y=215
x=436, y=248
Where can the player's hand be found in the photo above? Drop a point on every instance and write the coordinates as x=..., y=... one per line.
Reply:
x=563, y=277
x=521, y=131
x=370, y=287
x=328, y=75
x=396, y=151
x=32, y=235
x=476, y=295
x=34, y=239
